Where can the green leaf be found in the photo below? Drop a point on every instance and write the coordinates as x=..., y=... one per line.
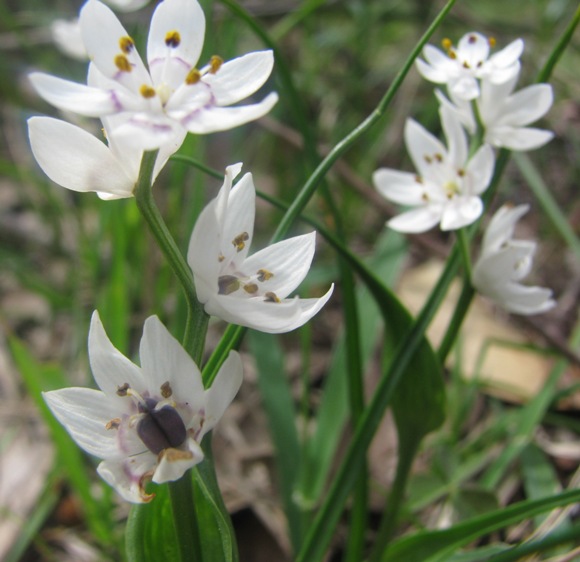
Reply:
x=437, y=546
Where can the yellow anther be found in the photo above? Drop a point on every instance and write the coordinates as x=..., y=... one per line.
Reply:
x=264, y=275
x=221, y=258
x=427, y=159
x=113, y=424
x=466, y=64
x=172, y=39
x=418, y=179
x=438, y=157
x=147, y=91
x=166, y=390
x=193, y=76
x=122, y=63
x=447, y=43
x=452, y=54
x=240, y=241
x=126, y=44
x=228, y=284
x=122, y=390
x=271, y=297
x=215, y=63
x=461, y=172
x=451, y=189
x=491, y=41
x=425, y=197
x=251, y=288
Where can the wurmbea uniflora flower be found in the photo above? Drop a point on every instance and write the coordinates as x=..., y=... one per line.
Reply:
x=505, y=114
x=146, y=422
x=173, y=96
x=504, y=262
x=77, y=160
x=447, y=185
x=249, y=291
x=460, y=67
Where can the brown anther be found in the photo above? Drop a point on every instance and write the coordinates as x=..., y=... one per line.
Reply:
x=251, y=288
x=425, y=197
x=172, y=39
x=113, y=424
x=271, y=297
x=461, y=172
x=193, y=77
x=147, y=91
x=228, y=284
x=166, y=390
x=171, y=455
x=452, y=54
x=491, y=41
x=447, y=43
x=143, y=481
x=418, y=179
x=123, y=64
x=466, y=65
x=221, y=258
x=240, y=241
x=438, y=157
x=264, y=275
x=126, y=44
x=428, y=159
x=479, y=64
x=122, y=390
x=472, y=39
x=215, y=63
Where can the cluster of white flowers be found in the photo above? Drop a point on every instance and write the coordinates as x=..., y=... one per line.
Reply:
x=449, y=181
x=146, y=423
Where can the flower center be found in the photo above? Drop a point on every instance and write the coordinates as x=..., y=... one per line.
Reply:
x=161, y=428
x=451, y=189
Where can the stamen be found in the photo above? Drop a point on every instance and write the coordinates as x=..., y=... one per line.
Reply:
x=215, y=64
x=113, y=424
x=271, y=297
x=240, y=241
x=173, y=455
x=461, y=172
x=172, y=39
x=264, y=275
x=472, y=39
x=126, y=44
x=228, y=284
x=447, y=43
x=427, y=159
x=251, y=288
x=438, y=157
x=123, y=64
x=451, y=189
x=122, y=390
x=221, y=258
x=418, y=179
x=147, y=91
x=143, y=481
x=425, y=197
x=166, y=390
x=466, y=65
x=491, y=41
x=452, y=54
x=193, y=77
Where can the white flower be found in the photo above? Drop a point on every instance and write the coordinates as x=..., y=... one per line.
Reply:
x=504, y=262
x=448, y=185
x=146, y=422
x=77, y=160
x=173, y=96
x=127, y=5
x=249, y=291
x=463, y=65
x=505, y=114
x=66, y=35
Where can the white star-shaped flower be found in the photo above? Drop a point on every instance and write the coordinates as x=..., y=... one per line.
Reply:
x=249, y=291
x=461, y=67
x=172, y=96
x=504, y=262
x=448, y=184
x=146, y=422
x=506, y=114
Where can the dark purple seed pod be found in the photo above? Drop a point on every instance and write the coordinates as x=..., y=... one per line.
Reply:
x=161, y=429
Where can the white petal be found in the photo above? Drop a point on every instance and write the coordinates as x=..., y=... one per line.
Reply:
x=75, y=159
x=103, y=36
x=401, y=187
x=128, y=5
x=110, y=367
x=501, y=227
x=461, y=212
x=273, y=318
x=239, y=78
x=464, y=87
x=462, y=110
x=166, y=150
x=417, y=220
x=170, y=64
x=125, y=476
x=473, y=48
x=422, y=147
x=524, y=138
x=433, y=74
x=439, y=62
x=163, y=359
x=66, y=35
x=215, y=119
x=521, y=299
x=85, y=412
x=70, y=96
x=480, y=169
x=508, y=55
x=289, y=262
x=527, y=105
x=456, y=138
x=174, y=462
x=223, y=390
x=147, y=131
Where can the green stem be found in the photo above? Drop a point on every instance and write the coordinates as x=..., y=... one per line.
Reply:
x=197, y=319
x=463, y=240
x=185, y=519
